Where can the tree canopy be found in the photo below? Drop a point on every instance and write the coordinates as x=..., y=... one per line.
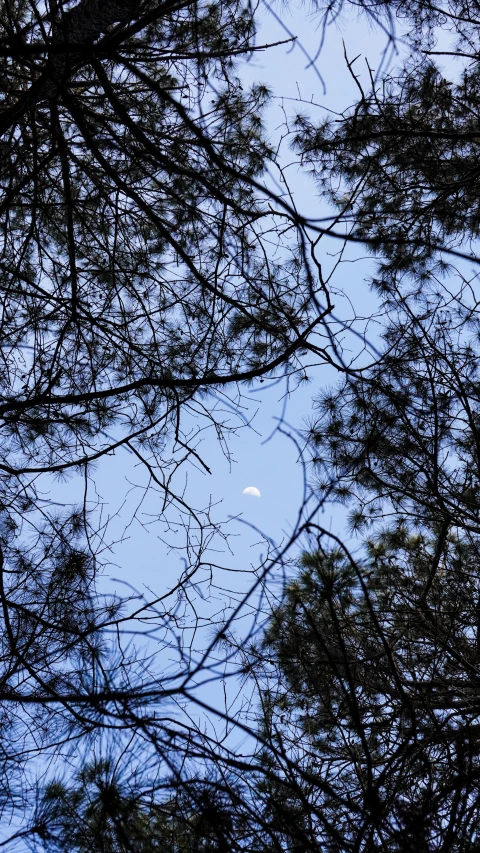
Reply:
x=369, y=667
x=143, y=262
x=399, y=165
x=146, y=263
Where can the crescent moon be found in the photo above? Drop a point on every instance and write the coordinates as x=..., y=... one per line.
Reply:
x=253, y=491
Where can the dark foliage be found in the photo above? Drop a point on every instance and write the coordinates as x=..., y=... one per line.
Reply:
x=400, y=165
x=369, y=670
x=143, y=264
x=371, y=662
x=373, y=691
x=103, y=812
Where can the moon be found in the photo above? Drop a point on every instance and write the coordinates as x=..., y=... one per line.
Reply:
x=253, y=491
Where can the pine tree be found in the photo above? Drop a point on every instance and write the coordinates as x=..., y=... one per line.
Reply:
x=107, y=808
x=369, y=674
x=373, y=698
x=369, y=670
x=400, y=165
x=143, y=263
